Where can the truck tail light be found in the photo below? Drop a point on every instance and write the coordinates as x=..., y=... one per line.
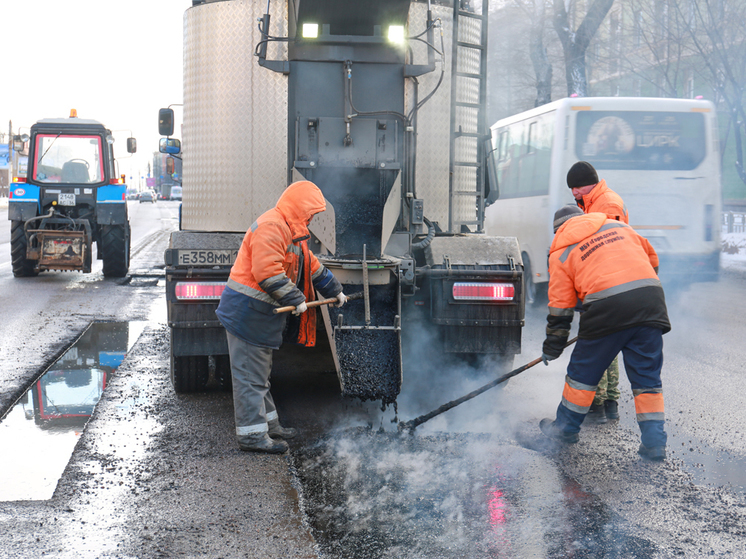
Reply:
x=199, y=290
x=468, y=291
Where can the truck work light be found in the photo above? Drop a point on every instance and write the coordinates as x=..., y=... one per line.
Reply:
x=199, y=290
x=467, y=291
x=310, y=30
x=396, y=33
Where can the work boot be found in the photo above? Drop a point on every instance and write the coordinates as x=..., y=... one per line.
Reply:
x=597, y=413
x=550, y=429
x=261, y=442
x=277, y=430
x=612, y=409
x=656, y=453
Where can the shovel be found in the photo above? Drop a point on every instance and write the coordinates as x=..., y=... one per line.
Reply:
x=413, y=423
x=318, y=303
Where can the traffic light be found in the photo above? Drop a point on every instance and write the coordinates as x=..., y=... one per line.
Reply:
x=170, y=166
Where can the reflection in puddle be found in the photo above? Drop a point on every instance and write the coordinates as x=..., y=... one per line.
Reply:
x=375, y=495
x=39, y=433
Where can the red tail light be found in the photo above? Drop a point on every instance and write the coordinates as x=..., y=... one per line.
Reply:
x=463, y=291
x=199, y=290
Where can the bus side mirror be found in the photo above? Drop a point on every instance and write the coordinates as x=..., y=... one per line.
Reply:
x=131, y=145
x=169, y=145
x=166, y=122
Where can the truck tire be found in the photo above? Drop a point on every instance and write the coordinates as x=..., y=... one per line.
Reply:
x=223, y=372
x=22, y=266
x=115, y=246
x=189, y=373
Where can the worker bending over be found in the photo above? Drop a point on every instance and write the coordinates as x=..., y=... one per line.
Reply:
x=274, y=268
x=593, y=195
x=611, y=269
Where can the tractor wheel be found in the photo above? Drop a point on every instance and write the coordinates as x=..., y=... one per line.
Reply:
x=189, y=373
x=22, y=266
x=115, y=246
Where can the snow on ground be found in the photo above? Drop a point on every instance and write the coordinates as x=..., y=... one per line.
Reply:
x=733, y=255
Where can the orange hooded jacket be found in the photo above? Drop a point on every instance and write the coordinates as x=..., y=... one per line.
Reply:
x=269, y=262
x=611, y=269
x=605, y=200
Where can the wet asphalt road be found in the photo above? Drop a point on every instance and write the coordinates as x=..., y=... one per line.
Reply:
x=157, y=475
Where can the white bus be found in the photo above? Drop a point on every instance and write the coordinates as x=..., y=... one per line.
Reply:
x=660, y=155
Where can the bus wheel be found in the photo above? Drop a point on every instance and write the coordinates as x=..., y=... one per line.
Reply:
x=536, y=293
x=528, y=283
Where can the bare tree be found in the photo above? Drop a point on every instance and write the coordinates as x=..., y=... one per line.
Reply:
x=539, y=57
x=575, y=43
x=718, y=39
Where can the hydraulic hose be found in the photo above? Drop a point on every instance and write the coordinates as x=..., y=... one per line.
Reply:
x=428, y=239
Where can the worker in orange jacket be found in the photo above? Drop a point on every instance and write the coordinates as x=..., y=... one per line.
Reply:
x=592, y=195
x=274, y=268
x=610, y=269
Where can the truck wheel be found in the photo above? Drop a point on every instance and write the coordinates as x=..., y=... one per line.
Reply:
x=223, y=372
x=115, y=246
x=189, y=373
x=22, y=266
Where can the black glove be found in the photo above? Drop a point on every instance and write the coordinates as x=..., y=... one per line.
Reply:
x=553, y=347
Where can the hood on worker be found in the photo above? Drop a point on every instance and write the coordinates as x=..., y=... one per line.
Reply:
x=298, y=204
x=577, y=229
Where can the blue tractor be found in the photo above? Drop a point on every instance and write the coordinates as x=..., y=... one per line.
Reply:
x=70, y=198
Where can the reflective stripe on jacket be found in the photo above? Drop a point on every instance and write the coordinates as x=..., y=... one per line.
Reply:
x=605, y=200
x=610, y=268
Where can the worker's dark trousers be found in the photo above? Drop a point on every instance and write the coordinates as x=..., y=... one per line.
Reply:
x=253, y=405
x=642, y=350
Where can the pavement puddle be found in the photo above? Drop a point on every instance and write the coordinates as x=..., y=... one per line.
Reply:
x=39, y=433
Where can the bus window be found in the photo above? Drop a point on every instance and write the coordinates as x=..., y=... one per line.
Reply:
x=503, y=149
x=531, y=142
x=636, y=140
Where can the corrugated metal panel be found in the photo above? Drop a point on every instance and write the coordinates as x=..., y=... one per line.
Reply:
x=434, y=120
x=235, y=113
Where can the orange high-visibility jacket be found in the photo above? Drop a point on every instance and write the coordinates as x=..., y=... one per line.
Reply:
x=605, y=200
x=610, y=268
x=274, y=249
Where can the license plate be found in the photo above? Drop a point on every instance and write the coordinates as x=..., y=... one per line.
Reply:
x=206, y=257
x=65, y=199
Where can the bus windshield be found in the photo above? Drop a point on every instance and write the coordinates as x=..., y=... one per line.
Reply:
x=68, y=159
x=636, y=140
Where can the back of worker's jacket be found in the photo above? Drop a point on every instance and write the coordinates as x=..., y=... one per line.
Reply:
x=274, y=267
x=611, y=269
x=603, y=199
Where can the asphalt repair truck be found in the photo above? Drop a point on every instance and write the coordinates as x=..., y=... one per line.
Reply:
x=70, y=198
x=382, y=105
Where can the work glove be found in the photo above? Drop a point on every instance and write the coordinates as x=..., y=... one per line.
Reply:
x=552, y=347
x=547, y=358
x=342, y=298
x=300, y=309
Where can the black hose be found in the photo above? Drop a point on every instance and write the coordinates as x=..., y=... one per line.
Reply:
x=430, y=235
